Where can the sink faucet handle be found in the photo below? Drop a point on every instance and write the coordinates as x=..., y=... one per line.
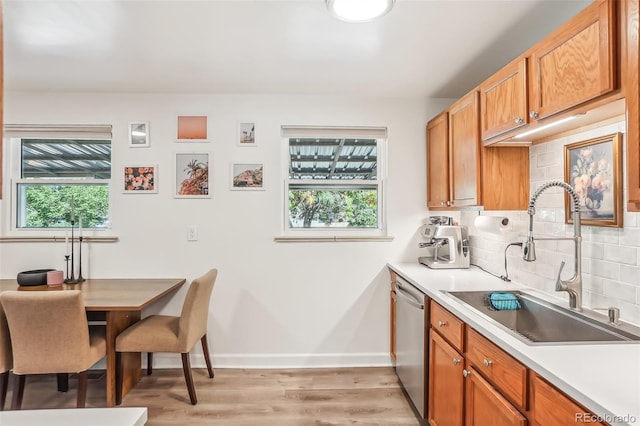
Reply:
x=560, y=285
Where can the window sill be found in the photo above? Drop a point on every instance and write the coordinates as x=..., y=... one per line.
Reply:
x=330, y=239
x=56, y=239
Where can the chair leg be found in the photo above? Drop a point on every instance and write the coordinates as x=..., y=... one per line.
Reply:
x=205, y=351
x=18, y=391
x=149, y=363
x=63, y=382
x=186, y=367
x=119, y=377
x=83, y=378
x=4, y=384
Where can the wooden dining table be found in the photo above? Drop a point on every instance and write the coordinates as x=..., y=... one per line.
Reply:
x=119, y=303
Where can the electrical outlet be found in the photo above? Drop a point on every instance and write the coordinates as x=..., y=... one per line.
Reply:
x=192, y=233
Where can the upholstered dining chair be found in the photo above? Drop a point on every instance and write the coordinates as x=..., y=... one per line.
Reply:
x=50, y=334
x=6, y=359
x=163, y=333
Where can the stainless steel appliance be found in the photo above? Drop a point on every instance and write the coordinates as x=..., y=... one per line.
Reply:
x=411, y=343
x=448, y=246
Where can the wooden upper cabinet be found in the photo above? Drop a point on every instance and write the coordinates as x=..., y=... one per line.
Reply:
x=503, y=100
x=632, y=85
x=438, y=161
x=576, y=63
x=464, y=157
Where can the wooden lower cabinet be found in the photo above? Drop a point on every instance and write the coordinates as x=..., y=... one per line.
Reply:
x=392, y=322
x=551, y=407
x=446, y=383
x=484, y=405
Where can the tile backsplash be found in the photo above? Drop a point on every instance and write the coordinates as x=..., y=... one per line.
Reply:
x=610, y=256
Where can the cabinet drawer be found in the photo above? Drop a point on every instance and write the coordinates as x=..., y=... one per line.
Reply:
x=505, y=372
x=448, y=325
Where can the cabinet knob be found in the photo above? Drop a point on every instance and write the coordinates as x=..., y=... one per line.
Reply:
x=442, y=323
x=442, y=203
x=466, y=373
x=519, y=120
x=487, y=363
x=449, y=203
x=534, y=114
x=456, y=361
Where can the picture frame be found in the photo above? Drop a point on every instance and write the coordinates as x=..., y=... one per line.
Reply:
x=139, y=134
x=140, y=179
x=247, y=176
x=593, y=168
x=192, y=128
x=246, y=133
x=192, y=175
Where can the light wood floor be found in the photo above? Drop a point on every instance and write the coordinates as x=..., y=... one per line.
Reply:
x=362, y=396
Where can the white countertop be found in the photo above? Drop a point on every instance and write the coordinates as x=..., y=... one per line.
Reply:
x=604, y=377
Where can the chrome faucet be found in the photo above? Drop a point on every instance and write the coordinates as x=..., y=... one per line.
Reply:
x=573, y=285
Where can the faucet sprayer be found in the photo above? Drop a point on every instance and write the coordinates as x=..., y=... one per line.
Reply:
x=573, y=286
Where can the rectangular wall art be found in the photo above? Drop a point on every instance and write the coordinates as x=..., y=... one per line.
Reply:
x=246, y=133
x=192, y=175
x=139, y=134
x=247, y=177
x=192, y=128
x=141, y=179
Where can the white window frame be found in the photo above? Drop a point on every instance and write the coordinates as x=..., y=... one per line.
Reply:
x=13, y=135
x=336, y=233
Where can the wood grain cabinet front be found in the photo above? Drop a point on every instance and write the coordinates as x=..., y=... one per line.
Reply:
x=632, y=95
x=503, y=100
x=446, y=383
x=438, y=162
x=576, y=63
x=448, y=325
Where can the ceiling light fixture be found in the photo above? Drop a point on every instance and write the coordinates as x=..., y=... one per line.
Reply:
x=359, y=10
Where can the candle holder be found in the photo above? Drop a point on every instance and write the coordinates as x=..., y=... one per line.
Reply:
x=72, y=279
x=80, y=278
x=66, y=261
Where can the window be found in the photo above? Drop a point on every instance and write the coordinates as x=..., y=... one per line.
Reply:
x=55, y=167
x=334, y=181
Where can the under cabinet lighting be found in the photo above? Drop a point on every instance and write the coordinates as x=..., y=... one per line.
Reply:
x=359, y=10
x=546, y=126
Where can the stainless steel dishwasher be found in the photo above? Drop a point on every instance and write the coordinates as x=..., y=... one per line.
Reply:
x=411, y=344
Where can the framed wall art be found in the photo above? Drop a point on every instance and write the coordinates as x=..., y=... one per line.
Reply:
x=593, y=168
x=246, y=133
x=247, y=176
x=141, y=179
x=192, y=128
x=139, y=134
x=192, y=175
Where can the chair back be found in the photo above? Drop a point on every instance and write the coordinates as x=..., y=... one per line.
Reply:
x=195, y=311
x=49, y=331
x=6, y=359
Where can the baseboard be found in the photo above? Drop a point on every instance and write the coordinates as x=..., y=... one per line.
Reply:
x=167, y=360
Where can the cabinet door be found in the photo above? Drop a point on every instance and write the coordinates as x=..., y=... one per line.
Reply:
x=632, y=87
x=464, y=157
x=551, y=407
x=392, y=337
x=575, y=63
x=438, y=161
x=445, y=383
x=485, y=406
x=503, y=100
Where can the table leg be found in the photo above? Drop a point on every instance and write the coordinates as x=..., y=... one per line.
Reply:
x=117, y=321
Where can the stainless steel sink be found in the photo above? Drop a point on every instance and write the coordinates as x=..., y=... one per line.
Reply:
x=541, y=322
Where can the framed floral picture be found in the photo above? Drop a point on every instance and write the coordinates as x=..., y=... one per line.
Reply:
x=141, y=179
x=247, y=177
x=192, y=175
x=593, y=168
x=139, y=134
x=246, y=133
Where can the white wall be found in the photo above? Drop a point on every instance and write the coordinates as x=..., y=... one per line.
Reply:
x=610, y=256
x=274, y=304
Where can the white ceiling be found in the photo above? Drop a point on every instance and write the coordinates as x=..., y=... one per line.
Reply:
x=421, y=48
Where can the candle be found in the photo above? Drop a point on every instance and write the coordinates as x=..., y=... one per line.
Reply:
x=80, y=225
x=73, y=211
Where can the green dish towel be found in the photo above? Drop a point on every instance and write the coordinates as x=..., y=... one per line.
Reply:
x=504, y=301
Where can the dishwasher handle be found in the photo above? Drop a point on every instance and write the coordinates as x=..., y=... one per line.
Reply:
x=409, y=297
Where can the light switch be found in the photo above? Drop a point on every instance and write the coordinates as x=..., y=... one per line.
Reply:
x=192, y=233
